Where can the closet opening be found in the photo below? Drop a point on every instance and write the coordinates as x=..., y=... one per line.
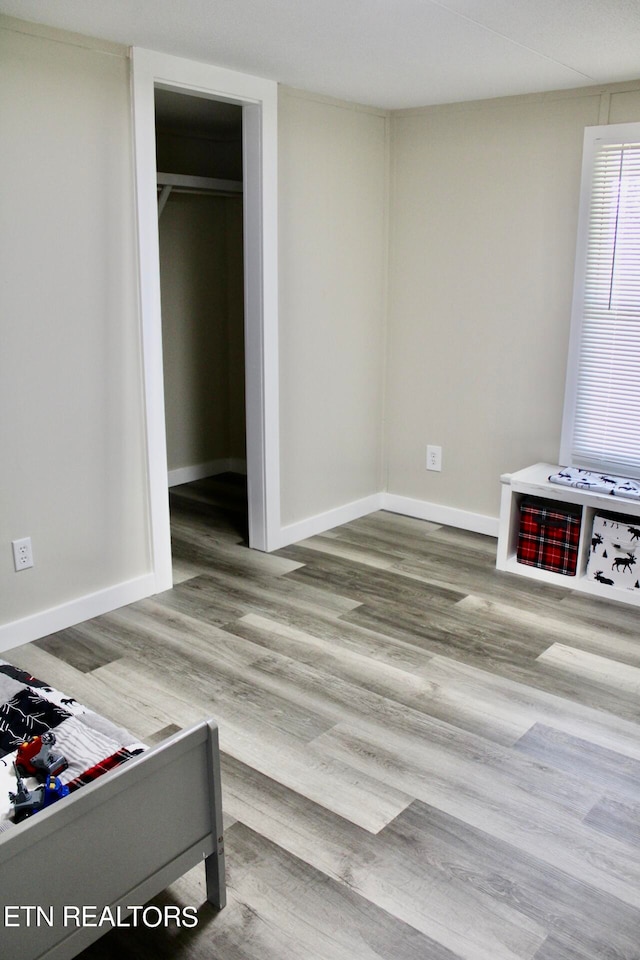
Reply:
x=199, y=161
x=257, y=99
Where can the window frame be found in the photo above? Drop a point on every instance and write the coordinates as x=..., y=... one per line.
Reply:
x=593, y=138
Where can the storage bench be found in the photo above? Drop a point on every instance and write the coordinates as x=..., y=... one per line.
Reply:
x=533, y=481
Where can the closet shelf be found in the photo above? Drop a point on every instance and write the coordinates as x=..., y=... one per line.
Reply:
x=182, y=183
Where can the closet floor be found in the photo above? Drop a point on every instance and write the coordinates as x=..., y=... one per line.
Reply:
x=423, y=758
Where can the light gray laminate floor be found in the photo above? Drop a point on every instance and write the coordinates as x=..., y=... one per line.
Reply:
x=423, y=759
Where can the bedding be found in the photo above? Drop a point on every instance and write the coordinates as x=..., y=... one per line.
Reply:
x=29, y=707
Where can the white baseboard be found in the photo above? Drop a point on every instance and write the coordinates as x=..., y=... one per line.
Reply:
x=407, y=506
x=437, y=513
x=332, y=518
x=211, y=469
x=103, y=601
x=75, y=611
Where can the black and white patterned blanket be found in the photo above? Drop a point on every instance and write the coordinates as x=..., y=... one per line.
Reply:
x=91, y=744
x=597, y=482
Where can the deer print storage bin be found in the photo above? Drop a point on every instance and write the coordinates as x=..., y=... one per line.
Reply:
x=614, y=557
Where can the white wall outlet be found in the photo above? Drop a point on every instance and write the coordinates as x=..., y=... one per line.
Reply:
x=22, y=553
x=434, y=458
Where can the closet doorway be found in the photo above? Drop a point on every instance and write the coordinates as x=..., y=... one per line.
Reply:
x=200, y=227
x=258, y=101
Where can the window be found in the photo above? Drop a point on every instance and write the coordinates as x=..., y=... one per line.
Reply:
x=601, y=425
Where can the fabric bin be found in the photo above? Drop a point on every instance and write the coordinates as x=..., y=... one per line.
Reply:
x=614, y=555
x=549, y=534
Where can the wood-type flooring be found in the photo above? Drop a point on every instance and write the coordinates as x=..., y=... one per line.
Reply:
x=423, y=758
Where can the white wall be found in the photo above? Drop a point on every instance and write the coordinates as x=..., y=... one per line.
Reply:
x=332, y=181
x=71, y=430
x=484, y=201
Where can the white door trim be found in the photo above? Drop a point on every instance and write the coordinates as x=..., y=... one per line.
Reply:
x=258, y=98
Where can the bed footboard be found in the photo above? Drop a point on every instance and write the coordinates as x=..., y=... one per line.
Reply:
x=116, y=843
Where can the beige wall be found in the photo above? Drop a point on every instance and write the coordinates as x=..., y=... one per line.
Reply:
x=332, y=280
x=71, y=429
x=202, y=328
x=624, y=106
x=235, y=342
x=484, y=202
x=198, y=156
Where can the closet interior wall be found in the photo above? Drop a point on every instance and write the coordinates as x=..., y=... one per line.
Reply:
x=202, y=281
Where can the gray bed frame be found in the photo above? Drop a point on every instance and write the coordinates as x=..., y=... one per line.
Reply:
x=116, y=842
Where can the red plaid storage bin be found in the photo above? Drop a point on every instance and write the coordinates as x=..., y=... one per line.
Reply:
x=549, y=535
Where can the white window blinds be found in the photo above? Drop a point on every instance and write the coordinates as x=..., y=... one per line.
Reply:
x=601, y=430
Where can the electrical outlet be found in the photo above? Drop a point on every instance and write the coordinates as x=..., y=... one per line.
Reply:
x=22, y=554
x=434, y=458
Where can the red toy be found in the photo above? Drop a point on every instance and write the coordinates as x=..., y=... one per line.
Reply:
x=36, y=758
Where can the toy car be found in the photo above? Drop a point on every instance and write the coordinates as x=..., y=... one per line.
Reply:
x=36, y=758
x=27, y=802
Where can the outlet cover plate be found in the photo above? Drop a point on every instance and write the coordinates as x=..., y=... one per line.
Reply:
x=434, y=457
x=22, y=554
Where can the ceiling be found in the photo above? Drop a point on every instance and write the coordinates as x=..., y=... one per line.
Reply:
x=386, y=53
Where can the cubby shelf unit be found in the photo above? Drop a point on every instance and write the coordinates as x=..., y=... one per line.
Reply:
x=534, y=482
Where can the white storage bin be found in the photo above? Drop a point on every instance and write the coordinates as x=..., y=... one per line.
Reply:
x=614, y=557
